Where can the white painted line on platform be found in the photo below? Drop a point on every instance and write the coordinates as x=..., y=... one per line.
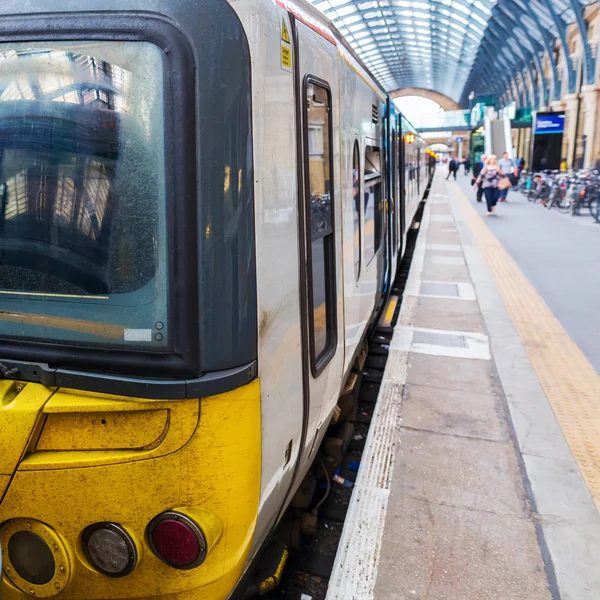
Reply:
x=357, y=560
x=466, y=291
x=453, y=344
x=440, y=259
x=445, y=247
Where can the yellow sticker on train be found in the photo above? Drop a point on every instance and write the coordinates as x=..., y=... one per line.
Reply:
x=285, y=34
x=286, y=57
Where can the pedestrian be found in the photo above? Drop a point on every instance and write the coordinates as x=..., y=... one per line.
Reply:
x=507, y=167
x=477, y=168
x=452, y=168
x=489, y=176
x=467, y=165
x=563, y=164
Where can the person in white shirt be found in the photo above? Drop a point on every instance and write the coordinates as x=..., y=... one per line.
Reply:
x=507, y=167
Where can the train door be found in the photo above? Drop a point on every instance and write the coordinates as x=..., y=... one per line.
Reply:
x=392, y=179
x=397, y=169
x=418, y=167
x=385, y=279
x=321, y=241
x=403, y=183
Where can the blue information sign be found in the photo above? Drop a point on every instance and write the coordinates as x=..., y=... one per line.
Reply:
x=550, y=123
x=459, y=140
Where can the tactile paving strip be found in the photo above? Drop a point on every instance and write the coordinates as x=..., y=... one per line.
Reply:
x=570, y=383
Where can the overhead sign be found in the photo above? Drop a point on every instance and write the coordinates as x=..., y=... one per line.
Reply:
x=459, y=140
x=549, y=123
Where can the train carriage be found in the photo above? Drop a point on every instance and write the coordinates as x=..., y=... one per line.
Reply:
x=202, y=208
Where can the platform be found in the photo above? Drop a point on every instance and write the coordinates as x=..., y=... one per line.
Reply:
x=481, y=474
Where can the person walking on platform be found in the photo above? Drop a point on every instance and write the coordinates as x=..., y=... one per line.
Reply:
x=467, y=165
x=507, y=167
x=452, y=168
x=477, y=168
x=489, y=177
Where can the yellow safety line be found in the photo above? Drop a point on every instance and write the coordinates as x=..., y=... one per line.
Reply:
x=569, y=381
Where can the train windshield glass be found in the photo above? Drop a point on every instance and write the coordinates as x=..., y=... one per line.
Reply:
x=82, y=194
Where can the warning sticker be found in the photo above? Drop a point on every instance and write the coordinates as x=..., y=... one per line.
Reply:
x=285, y=34
x=286, y=57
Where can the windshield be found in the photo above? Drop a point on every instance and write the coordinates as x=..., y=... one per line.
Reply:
x=82, y=194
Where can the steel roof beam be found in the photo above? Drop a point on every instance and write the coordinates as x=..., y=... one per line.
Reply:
x=505, y=21
x=503, y=76
x=547, y=39
x=562, y=35
x=588, y=60
x=511, y=67
x=537, y=46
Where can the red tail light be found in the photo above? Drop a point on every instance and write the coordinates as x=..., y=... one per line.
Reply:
x=177, y=540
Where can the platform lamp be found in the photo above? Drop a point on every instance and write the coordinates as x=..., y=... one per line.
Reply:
x=471, y=98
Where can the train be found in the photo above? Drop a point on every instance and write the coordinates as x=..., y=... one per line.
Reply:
x=203, y=204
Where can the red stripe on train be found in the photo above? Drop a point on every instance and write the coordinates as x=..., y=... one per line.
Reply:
x=306, y=21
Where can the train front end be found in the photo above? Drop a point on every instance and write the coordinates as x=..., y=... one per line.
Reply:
x=130, y=427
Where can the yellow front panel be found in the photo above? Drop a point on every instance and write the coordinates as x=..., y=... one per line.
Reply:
x=216, y=470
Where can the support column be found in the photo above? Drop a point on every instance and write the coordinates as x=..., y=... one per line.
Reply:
x=557, y=106
x=591, y=108
x=569, y=141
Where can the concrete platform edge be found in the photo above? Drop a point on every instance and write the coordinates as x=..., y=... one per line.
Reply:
x=567, y=543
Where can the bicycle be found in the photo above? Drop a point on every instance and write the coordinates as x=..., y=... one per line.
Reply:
x=559, y=195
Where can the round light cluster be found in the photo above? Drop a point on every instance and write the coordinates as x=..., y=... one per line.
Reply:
x=110, y=549
x=31, y=557
x=177, y=540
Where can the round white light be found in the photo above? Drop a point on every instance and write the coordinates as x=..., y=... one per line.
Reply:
x=110, y=549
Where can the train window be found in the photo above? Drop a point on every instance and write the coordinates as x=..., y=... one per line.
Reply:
x=394, y=194
x=321, y=270
x=372, y=201
x=356, y=209
x=82, y=193
x=399, y=175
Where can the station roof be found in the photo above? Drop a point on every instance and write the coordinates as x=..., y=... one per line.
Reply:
x=453, y=46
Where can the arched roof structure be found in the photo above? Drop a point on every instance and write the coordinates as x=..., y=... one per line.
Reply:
x=455, y=47
x=414, y=43
x=520, y=35
x=441, y=99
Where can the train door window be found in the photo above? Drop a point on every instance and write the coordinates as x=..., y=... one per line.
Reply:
x=372, y=202
x=394, y=194
x=321, y=258
x=399, y=187
x=356, y=209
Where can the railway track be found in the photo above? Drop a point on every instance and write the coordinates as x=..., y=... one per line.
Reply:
x=312, y=528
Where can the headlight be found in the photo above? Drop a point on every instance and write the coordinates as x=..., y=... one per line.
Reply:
x=31, y=557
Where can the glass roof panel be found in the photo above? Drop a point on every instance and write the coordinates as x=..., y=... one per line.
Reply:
x=446, y=45
x=420, y=43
